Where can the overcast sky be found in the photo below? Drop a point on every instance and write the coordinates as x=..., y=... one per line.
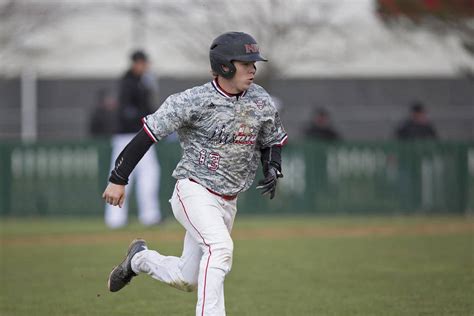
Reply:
x=344, y=38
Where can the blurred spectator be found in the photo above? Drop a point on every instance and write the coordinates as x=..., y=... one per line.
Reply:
x=134, y=103
x=104, y=117
x=417, y=126
x=135, y=95
x=321, y=127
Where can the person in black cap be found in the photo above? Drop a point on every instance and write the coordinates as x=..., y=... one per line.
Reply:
x=135, y=94
x=320, y=127
x=417, y=126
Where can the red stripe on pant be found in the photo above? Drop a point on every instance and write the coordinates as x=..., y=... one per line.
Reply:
x=208, y=246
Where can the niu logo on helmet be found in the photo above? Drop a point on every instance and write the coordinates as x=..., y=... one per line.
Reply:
x=251, y=48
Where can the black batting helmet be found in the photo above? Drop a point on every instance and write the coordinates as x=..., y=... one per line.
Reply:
x=232, y=46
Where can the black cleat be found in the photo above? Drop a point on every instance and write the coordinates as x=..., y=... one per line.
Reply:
x=122, y=274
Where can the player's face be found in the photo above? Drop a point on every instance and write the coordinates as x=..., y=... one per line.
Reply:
x=244, y=75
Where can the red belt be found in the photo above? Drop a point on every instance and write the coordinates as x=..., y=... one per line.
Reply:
x=225, y=197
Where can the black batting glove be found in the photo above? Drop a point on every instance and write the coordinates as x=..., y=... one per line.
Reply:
x=268, y=185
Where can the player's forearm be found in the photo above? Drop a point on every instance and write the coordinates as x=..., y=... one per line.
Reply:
x=271, y=156
x=129, y=158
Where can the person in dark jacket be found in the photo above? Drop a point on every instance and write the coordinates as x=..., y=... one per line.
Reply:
x=321, y=128
x=417, y=126
x=135, y=97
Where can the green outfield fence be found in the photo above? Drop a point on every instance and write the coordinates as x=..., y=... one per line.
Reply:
x=49, y=179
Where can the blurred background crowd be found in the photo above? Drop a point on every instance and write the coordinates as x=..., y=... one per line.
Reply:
x=345, y=71
x=364, y=65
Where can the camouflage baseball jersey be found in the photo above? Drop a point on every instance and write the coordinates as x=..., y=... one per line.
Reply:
x=221, y=135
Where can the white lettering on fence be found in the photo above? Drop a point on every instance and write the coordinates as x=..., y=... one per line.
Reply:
x=52, y=162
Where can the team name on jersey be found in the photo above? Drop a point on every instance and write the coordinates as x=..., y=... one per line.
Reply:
x=245, y=135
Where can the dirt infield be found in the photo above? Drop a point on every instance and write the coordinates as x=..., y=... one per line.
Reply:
x=272, y=233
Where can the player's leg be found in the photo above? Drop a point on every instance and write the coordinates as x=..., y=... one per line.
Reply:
x=179, y=272
x=207, y=253
x=229, y=211
x=147, y=175
x=202, y=214
x=116, y=217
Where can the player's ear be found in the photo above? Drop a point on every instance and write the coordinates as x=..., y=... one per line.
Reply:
x=225, y=68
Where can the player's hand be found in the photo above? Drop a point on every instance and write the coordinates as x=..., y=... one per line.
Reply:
x=268, y=185
x=114, y=194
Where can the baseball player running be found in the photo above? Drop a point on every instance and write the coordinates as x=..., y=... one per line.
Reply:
x=225, y=126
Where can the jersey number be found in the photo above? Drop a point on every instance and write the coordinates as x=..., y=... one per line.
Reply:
x=212, y=160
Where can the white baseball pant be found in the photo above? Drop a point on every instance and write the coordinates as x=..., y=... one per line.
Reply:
x=146, y=177
x=207, y=250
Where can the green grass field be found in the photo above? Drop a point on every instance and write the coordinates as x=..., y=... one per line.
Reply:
x=282, y=266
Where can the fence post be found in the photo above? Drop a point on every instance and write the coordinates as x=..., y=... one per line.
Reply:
x=5, y=177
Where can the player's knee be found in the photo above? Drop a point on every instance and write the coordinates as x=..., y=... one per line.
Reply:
x=185, y=285
x=222, y=253
x=190, y=284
